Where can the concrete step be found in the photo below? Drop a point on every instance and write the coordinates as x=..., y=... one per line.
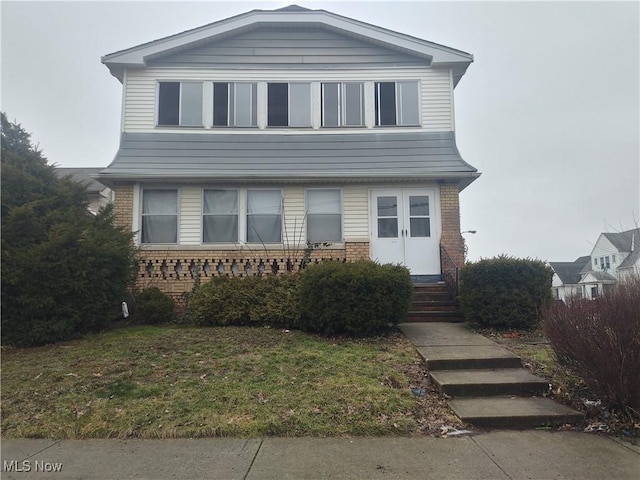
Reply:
x=488, y=382
x=468, y=357
x=513, y=412
x=429, y=296
x=437, y=316
x=435, y=306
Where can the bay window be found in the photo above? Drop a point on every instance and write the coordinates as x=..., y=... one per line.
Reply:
x=324, y=215
x=180, y=103
x=160, y=216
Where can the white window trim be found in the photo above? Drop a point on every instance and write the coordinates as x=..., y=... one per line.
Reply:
x=396, y=82
x=202, y=215
x=203, y=112
x=368, y=92
x=242, y=217
x=178, y=208
x=342, y=107
x=246, y=215
x=306, y=212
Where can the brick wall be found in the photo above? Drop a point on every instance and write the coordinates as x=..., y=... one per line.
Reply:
x=174, y=271
x=450, y=214
x=356, y=251
x=123, y=206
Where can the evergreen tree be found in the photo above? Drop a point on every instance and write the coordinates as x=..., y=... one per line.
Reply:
x=64, y=270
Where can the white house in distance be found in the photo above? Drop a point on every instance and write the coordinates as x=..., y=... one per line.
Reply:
x=244, y=139
x=98, y=194
x=614, y=257
x=566, y=278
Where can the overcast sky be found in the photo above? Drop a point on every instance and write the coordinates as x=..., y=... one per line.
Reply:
x=549, y=111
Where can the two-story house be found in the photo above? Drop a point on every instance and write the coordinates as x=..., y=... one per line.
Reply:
x=614, y=257
x=244, y=139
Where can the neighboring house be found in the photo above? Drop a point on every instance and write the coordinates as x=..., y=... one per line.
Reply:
x=97, y=193
x=614, y=257
x=244, y=139
x=566, y=278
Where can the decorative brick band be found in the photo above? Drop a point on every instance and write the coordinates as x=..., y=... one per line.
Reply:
x=176, y=271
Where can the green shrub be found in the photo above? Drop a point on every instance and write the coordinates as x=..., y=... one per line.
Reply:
x=505, y=292
x=360, y=298
x=64, y=271
x=271, y=300
x=153, y=306
x=599, y=340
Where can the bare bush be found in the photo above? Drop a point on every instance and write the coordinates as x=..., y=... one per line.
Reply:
x=600, y=341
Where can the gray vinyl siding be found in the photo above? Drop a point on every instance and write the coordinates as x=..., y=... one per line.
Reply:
x=237, y=157
x=140, y=89
x=289, y=48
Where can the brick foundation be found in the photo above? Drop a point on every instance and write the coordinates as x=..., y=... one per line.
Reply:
x=175, y=271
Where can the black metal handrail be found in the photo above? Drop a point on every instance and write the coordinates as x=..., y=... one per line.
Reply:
x=450, y=271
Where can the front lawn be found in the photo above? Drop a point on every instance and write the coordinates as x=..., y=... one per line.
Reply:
x=161, y=382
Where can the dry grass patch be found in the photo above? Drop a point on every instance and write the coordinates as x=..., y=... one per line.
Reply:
x=164, y=382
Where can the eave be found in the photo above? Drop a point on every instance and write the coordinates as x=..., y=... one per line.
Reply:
x=431, y=53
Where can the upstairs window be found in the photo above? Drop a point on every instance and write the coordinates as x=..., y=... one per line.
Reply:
x=289, y=104
x=397, y=103
x=160, y=216
x=264, y=216
x=235, y=104
x=342, y=104
x=324, y=215
x=180, y=103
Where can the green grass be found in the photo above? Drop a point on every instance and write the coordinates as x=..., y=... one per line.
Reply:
x=162, y=382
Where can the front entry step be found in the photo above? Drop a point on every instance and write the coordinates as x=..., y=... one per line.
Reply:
x=435, y=316
x=488, y=382
x=513, y=412
x=432, y=302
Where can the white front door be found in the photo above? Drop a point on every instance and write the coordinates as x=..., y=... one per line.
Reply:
x=404, y=229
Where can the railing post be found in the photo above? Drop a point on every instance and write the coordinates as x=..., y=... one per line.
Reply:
x=450, y=271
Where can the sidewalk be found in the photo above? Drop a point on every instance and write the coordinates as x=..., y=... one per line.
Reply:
x=494, y=455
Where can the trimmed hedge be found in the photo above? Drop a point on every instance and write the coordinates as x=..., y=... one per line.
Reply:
x=505, y=292
x=153, y=306
x=271, y=300
x=359, y=298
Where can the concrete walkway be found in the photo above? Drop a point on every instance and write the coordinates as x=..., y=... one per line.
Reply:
x=489, y=386
x=495, y=455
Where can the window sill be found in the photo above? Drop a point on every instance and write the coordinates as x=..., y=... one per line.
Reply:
x=181, y=127
x=397, y=126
